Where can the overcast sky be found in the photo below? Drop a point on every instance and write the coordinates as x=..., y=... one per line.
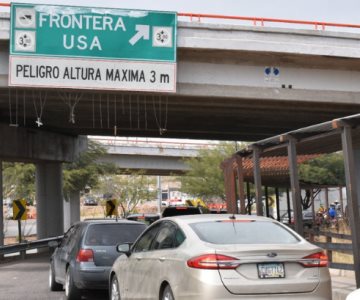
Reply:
x=342, y=11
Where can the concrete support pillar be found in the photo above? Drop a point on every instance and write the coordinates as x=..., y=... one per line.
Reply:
x=71, y=210
x=49, y=199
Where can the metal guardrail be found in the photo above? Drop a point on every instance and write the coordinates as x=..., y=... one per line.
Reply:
x=28, y=245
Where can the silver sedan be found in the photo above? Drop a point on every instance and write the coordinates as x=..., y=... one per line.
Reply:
x=220, y=257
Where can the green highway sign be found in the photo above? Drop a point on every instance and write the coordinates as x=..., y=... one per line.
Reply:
x=92, y=48
x=109, y=33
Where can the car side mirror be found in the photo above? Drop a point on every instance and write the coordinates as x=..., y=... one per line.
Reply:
x=124, y=248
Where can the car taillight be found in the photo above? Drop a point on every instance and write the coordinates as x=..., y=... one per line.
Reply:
x=85, y=255
x=318, y=259
x=213, y=262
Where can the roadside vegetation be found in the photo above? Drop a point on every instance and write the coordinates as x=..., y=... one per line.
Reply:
x=129, y=190
x=205, y=178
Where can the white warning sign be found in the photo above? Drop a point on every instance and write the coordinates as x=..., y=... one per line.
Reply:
x=25, y=17
x=25, y=40
x=99, y=74
x=162, y=36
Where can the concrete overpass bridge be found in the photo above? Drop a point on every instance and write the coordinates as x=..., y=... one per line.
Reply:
x=153, y=156
x=233, y=83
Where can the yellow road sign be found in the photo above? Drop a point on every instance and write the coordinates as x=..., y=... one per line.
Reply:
x=111, y=208
x=19, y=209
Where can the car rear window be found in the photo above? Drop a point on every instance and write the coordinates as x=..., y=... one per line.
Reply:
x=180, y=211
x=243, y=232
x=112, y=234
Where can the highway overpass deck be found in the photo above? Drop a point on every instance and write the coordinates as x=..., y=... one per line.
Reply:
x=152, y=156
x=233, y=83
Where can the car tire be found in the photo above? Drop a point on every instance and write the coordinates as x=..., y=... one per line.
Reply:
x=167, y=294
x=71, y=291
x=53, y=285
x=114, y=289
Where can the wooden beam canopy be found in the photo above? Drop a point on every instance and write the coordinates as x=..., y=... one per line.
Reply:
x=328, y=137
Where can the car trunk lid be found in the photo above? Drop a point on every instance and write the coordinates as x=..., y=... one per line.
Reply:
x=269, y=269
x=104, y=255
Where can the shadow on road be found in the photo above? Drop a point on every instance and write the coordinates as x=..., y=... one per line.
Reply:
x=28, y=279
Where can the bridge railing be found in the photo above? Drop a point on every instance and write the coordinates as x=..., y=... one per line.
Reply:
x=256, y=21
x=28, y=245
x=198, y=17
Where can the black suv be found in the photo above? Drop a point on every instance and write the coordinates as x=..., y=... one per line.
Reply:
x=145, y=218
x=171, y=211
x=86, y=253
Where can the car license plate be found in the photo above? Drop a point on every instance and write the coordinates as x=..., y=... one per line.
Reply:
x=271, y=270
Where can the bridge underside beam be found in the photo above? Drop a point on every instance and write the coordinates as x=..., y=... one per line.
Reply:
x=151, y=165
x=20, y=144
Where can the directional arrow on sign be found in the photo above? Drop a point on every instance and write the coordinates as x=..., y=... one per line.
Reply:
x=143, y=31
x=21, y=209
x=110, y=208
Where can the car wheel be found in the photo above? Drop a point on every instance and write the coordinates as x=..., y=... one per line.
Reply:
x=167, y=294
x=53, y=285
x=71, y=291
x=114, y=289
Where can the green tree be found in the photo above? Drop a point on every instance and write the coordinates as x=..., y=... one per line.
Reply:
x=129, y=190
x=205, y=178
x=326, y=170
x=85, y=171
x=19, y=180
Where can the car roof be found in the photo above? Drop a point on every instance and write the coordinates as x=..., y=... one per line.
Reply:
x=144, y=214
x=109, y=221
x=213, y=217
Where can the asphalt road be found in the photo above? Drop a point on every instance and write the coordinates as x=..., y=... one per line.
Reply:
x=28, y=279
